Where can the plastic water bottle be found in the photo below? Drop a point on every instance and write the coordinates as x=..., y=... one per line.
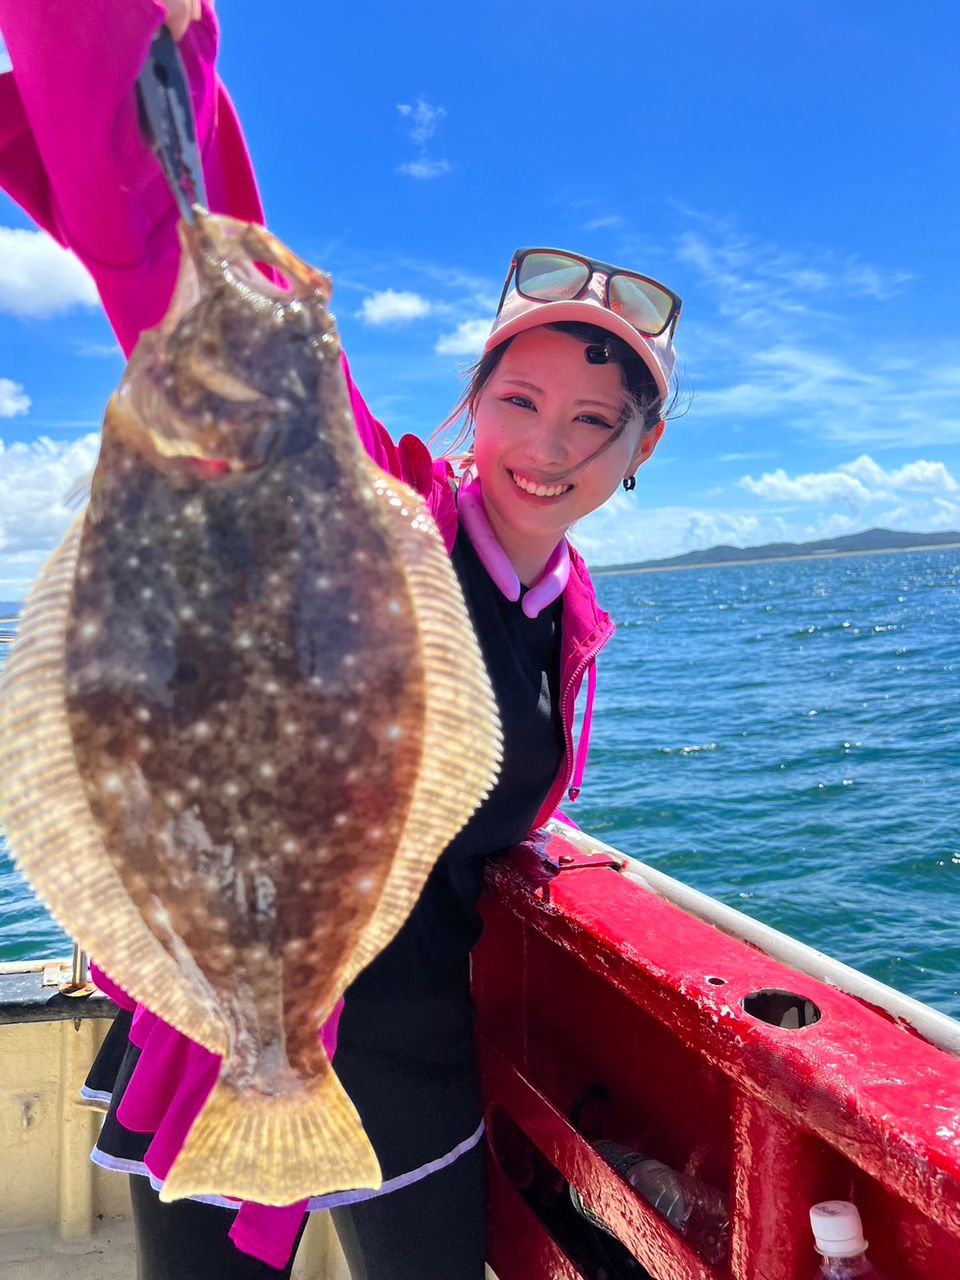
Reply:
x=697, y=1211
x=838, y=1233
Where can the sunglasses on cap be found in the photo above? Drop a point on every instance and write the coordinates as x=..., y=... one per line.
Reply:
x=553, y=275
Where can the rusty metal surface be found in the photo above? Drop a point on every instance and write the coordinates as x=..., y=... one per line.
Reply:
x=585, y=977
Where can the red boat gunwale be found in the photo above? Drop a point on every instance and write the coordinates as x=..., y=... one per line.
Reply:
x=583, y=976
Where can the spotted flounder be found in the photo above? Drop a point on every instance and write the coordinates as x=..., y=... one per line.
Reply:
x=247, y=710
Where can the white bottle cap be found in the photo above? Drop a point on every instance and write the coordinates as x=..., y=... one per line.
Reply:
x=837, y=1228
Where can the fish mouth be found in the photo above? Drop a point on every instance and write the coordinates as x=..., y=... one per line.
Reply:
x=208, y=470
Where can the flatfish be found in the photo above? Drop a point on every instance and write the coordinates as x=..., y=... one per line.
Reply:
x=246, y=712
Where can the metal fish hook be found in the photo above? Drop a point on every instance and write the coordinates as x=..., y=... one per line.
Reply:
x=167, y=121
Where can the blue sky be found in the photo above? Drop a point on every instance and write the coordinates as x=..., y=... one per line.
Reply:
x=791, y=171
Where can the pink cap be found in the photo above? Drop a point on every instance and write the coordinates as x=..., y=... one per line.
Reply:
x=519, y=313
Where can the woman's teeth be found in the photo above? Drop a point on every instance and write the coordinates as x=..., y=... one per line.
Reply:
x=540, y=490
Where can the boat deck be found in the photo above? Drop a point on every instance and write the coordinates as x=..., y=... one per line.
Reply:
x=40, y=1254
x=109, y=1253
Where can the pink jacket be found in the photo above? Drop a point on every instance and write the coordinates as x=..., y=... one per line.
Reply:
x=71, y=155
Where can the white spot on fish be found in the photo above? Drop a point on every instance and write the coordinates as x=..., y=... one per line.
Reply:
x=322, y=582
x=290, y=846
x=145, y=744
x=142, y=714
x=375, y=833
x=340, y=820
x=133, y=562
x=366, y=884
x=173, y=800
x=265, y=894
x=194, y=784
x=271, y=688
x=256, y=956
x=394, y=607
x=244, y=640
x=290, y=728
x=231, y=789
x=294, y=949
x=146, y=593
x=89, y=630
x=112, y=784
x=204, y=588
x=360, y=556
x=394, y=733
x=201, y=730
x=267, y=771
x=187, y=613
x=316, y=682
x=351, y=716
x=349, y=660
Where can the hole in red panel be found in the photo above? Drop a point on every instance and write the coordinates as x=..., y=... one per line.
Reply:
x=784, y=1009
x=717, y=982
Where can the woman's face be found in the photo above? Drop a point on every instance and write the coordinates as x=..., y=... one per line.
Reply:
x=543, y=411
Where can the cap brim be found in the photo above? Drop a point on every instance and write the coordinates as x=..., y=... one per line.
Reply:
x=586, y=313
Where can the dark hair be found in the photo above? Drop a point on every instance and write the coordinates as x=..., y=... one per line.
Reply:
x=601, y=347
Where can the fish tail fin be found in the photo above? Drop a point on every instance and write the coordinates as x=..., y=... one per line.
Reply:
x=275, y=1148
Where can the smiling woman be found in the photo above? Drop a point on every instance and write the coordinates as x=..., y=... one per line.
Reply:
x=567, y=404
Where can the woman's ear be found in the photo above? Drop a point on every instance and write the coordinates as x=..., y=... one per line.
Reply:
x=648, y=442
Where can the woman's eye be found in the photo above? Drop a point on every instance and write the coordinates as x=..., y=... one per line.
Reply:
x=522, y=402
x=595, y=420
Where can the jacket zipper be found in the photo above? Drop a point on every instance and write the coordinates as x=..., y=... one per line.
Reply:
x=567, y=720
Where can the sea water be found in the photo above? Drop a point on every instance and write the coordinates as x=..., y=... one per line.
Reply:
x=784, y=736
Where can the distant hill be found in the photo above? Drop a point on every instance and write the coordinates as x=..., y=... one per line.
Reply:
x=871, y=540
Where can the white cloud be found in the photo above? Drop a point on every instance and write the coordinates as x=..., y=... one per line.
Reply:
x=99, y=350
x=421, y=119
x=35, y=480
x=827, y=486
x=13, y=399
x=606, y=222
x=391, y=306
x=916, y=496
x=38, y=277
x=425, y=169
x=466, y=340
x=776, y=335
x=623, y=531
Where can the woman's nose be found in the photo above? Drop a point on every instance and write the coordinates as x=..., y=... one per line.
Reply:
x=548, y=445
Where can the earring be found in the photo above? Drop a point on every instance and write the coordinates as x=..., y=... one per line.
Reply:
x=629, y=483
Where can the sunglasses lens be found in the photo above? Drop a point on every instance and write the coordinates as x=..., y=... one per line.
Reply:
x=640, y=302
x=551, y=277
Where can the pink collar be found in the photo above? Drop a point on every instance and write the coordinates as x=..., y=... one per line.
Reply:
x=549, y=586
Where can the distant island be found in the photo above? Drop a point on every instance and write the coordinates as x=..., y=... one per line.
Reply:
x=871, y=542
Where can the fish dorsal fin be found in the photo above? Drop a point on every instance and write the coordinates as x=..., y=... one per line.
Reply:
x=461, y=745
x=48, y=821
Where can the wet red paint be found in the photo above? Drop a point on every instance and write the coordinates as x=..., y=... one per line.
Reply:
x=584, y=977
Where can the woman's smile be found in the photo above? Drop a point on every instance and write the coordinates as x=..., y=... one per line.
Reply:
x=537, y=489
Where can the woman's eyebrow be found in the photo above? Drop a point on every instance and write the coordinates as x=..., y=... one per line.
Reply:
x=532, y=386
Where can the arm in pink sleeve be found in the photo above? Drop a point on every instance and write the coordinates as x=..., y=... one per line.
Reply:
x=71, y=151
